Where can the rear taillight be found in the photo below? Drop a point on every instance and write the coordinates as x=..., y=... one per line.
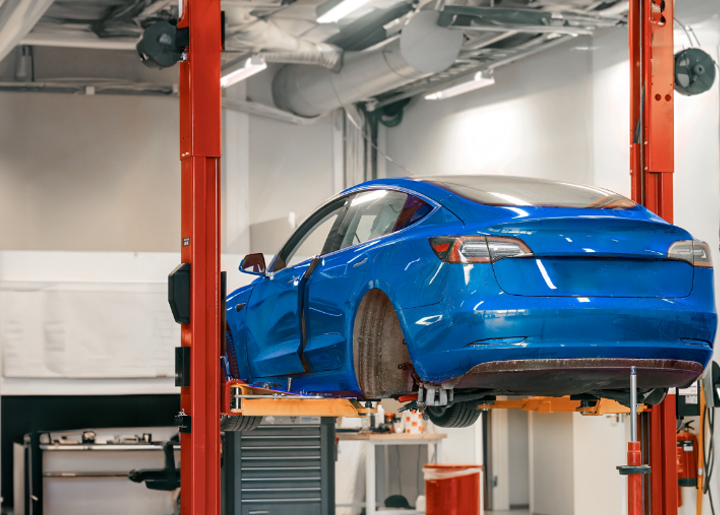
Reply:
x=697, y=253
x=477, y=249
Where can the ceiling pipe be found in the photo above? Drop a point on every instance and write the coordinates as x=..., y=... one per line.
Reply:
x=265, y=111
x=47, y=36
x=422, y=49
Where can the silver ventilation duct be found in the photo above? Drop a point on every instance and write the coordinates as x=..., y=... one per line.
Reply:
x=327, y=58
x=423, y=49
x=276, y=45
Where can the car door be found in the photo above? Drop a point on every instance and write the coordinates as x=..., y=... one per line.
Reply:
x=339, y=277
x=274, y=314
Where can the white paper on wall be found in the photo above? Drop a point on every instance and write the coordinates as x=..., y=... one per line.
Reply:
x=86, y=330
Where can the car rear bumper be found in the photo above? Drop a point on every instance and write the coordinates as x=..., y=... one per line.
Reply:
x=555, y=377
x=478, y=324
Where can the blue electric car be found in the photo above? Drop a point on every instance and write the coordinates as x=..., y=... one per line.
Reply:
x=466, y=287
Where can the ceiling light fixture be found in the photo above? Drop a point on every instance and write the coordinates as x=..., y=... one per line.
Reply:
x=234, y=73
x=334, y=10
x=480, y=80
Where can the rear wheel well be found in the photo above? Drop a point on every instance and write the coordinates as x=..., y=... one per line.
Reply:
x=380, y=356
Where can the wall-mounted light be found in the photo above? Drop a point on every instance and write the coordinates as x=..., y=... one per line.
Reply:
x=480, y=80
x=334, y=10
x=242, y=70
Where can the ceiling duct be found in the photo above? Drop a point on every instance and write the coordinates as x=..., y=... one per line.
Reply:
x=17, y=18
x=423, y=48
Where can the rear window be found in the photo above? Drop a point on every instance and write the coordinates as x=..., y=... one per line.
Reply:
x=498, y=190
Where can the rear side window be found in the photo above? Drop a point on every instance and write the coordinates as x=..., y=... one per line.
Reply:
x=498, y=190
x=371, y=214
x=414, y=210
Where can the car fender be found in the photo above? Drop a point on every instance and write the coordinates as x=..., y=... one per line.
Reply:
x=378, y=284
x=236, y=321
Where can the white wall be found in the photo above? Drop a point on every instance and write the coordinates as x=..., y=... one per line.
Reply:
x=500, y=462
x=518, y=458
x=89, y=173
x=98, y=178
x=552, y=487
x=292, y=169
x=599, y=445
x=531, y=122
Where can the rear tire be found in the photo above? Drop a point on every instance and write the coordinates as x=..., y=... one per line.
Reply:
x=460, y=414
x=236, y=423
x=382, y=363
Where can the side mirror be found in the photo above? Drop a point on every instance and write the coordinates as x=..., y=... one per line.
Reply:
x=253, y=264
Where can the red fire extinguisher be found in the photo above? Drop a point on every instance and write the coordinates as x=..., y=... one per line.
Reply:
x=687, y=456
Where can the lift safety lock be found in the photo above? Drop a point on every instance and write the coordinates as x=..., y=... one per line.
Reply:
x=183, y=421
x=179, y=293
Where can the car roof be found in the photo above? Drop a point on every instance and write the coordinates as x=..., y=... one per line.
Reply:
x=428, y=189
x=504, y=190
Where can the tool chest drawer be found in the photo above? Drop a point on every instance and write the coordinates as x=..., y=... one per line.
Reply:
x=284, y=467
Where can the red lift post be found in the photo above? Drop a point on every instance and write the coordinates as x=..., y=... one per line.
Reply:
x=200, y=146
x=652, y=164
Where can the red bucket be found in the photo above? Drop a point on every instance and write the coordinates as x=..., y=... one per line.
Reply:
x=453, y=489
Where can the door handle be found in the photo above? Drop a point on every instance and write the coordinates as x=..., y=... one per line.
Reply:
x=359, y=263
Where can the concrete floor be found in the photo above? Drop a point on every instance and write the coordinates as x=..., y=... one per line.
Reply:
x=513, y=512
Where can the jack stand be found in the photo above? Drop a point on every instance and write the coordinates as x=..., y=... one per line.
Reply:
x=634, y=469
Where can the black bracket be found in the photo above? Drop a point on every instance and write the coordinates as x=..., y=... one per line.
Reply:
x=184, y=422
x=182, y=366
x=633, y=469
x=179, y=293
x=162, y=44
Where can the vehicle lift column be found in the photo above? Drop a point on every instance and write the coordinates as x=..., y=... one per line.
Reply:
x=652, y=164
x=200, y=145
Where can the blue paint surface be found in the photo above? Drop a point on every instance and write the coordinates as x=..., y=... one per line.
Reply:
x=598, y=286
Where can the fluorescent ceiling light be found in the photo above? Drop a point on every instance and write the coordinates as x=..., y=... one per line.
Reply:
x=235, y=74
x=480, y=80
x=334, y=10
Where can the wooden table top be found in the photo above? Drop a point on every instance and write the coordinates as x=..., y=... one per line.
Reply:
x=390, y=436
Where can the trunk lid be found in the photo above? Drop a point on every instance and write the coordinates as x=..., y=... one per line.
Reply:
x=593, y=256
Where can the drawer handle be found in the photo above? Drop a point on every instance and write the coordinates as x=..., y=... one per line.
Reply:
x=258, y=512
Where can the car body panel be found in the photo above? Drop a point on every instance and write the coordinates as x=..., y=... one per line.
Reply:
x=485, y=325
x=620, y=300
x=332, y=290
x=594, y=277
x=274, y=324
x=236, y=320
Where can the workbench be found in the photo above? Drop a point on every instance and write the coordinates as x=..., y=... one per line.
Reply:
x=432, y=440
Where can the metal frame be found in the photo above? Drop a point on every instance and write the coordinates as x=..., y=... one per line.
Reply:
x=652, y=165
x=559, y=405
x=243, y=399
x=200, y=143
x=650, y=31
